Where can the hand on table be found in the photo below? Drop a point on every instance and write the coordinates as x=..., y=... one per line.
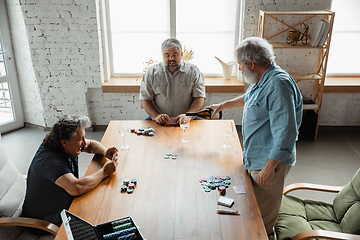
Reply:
x=162, y=119
x=110, y=153
x=182, y=118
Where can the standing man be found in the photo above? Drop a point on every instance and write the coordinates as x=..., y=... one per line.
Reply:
x=271, y=119
x=53, y=177
x=172, y=87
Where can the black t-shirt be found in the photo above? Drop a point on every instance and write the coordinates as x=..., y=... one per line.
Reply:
x=44, y=199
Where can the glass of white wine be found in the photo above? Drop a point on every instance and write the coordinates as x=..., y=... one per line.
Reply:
x=228, y=130
x=184, y=124
x=123, y=130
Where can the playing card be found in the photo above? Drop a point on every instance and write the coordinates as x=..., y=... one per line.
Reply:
x=239, y=190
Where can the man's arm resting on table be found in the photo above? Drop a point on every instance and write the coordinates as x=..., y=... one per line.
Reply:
x=150, y=108
x=78, y=186
x=95, y=147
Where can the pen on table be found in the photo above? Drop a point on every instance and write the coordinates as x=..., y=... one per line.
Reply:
x=228, y=211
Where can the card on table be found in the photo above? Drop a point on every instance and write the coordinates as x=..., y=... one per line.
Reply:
x=172, y=122
x=239, y=190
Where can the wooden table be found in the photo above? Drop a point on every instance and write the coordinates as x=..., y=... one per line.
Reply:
x=169, y=202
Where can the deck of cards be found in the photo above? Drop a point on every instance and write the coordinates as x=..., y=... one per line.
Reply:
x=228, y=202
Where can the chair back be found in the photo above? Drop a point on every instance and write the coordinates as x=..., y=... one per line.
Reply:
x=347, y=206
x=12, y=187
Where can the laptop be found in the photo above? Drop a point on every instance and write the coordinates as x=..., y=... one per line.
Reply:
x=79, y=229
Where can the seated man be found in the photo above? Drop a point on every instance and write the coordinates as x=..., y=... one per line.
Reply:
x=172, y=87
x=53, y=176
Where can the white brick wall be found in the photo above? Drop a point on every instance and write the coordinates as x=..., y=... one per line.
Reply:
x=60, y=72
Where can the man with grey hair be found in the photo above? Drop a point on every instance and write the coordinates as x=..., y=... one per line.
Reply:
x=271, y=119
x=172, y=87
x=53, y=176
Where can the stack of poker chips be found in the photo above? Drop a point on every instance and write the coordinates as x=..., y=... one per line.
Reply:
x=213, y=182
x=128, y=186
x=149, y=131
x=123, y=230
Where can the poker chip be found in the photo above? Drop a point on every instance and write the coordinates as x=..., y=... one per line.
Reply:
x=166, y=157
x=130, y=190
x=134, y=181
x=131, y=185
x=149, y=131
x=174, y=157
x=215, y=182
x=222, y=190
x=123, y=188
x=227, y=182
x=203, y=180
x=126, y=182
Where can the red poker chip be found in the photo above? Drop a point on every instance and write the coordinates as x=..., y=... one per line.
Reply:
x=131, y=185
x=203, y=180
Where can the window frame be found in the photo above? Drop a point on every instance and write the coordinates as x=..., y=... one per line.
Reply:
x=107, y=56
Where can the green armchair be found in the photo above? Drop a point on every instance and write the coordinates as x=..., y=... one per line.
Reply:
x=307, y=219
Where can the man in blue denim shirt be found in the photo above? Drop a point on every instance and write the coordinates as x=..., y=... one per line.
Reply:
x=272, y=113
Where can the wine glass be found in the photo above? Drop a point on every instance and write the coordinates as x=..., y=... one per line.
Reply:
x=228, y=129
x=184, y=124
x=123, y=130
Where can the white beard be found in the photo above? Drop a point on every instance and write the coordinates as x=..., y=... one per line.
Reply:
x=250, y=76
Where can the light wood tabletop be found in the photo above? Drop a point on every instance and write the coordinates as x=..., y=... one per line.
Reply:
x=169, y=201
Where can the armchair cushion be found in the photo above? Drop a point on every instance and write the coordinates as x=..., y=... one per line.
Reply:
x=12, y=188
x=347, y=206
x=298, y=215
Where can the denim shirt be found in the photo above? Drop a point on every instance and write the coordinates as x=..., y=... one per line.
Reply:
x=271, y=119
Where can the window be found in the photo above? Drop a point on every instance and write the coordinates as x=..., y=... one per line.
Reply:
x=344, y=50
x=138, y=27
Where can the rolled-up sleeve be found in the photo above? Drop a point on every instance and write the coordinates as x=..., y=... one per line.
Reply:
x=199, y=84
x=283, y=125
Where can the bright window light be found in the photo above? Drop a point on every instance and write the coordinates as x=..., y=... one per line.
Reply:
x=138, y=27
x=344, y=50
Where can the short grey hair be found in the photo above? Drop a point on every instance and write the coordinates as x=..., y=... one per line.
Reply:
x=255, y=49
x=64, y=129
x=171, y=42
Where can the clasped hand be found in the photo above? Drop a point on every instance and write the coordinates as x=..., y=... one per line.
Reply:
x=110, y=166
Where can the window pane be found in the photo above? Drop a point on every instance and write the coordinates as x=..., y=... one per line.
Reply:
x=138, y=28
x=209, y=32
x=6, y=108
x=2, y=66
x=346, y=35
x=2, y=62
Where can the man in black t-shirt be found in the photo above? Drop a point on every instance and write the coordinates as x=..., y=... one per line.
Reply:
x=53, y=177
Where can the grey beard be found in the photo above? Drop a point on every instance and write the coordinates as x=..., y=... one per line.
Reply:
x=174, y=68
x=250, y=77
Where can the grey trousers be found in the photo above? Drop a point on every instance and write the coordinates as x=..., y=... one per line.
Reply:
x=269, y=198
